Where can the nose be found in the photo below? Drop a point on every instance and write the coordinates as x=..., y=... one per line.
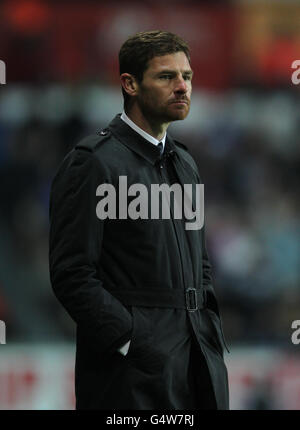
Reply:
x=181, y=85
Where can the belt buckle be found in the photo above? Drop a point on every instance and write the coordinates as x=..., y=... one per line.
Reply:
x=191, y=299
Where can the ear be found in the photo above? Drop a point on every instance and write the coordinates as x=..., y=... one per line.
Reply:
x=129, y=84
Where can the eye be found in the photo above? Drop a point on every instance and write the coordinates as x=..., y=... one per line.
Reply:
x=166, y=77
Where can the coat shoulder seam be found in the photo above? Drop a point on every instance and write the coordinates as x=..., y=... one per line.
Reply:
x=92, y=142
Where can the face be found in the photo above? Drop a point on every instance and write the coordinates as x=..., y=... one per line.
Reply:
x=165, y=91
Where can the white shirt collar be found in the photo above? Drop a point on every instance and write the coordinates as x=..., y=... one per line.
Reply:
x=145, y=135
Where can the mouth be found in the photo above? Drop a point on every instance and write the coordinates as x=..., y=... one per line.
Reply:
x=179, y=102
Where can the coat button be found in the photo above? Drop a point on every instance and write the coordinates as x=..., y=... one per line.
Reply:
x=104, y=132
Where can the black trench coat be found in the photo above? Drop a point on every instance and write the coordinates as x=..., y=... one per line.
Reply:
x=122, y=279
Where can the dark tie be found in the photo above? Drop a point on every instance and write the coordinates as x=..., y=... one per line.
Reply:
x=160, y=147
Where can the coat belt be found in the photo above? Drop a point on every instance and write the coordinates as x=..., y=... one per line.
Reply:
x=190, y=299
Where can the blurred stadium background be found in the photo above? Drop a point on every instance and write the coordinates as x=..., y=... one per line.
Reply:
x=243, y=129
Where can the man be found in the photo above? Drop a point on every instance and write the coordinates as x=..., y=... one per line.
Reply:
x=149, y=334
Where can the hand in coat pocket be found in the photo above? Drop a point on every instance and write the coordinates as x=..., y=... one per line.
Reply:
x=142, y=353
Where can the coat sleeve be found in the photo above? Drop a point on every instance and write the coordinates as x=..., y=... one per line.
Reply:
x=207, y=278
x=206, y=265
x=76, y=236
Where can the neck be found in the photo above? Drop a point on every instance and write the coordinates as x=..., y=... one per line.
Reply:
x=150, y=126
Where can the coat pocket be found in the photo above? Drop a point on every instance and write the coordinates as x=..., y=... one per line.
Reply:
x=140, y=331
x=143, y=355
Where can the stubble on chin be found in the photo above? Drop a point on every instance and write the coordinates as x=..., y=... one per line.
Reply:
x=178, y=113
x=164, y=113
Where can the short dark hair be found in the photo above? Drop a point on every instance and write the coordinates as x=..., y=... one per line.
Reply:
x=139, y=49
